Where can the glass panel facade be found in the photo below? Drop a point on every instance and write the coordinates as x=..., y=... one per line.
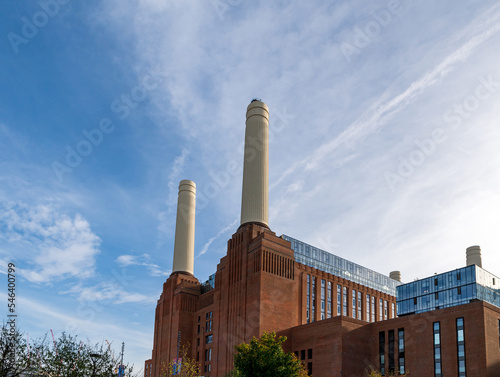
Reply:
x=335, y=265
x=339, y=298
x=448, y=289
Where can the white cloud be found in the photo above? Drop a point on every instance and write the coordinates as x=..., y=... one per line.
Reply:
x=54, y=244
x=142, y=260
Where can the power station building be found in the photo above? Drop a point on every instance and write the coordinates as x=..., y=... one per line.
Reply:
x=339, y=318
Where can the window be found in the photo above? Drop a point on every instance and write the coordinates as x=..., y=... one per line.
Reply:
x=401, y=351
x=199, y=319
x=359, y=305
x=367, y=308
x=381, y=351
x=353, y=303
x=373, y=309
x=198, y=329
x=437, y=349
x=198, y=342
x=499, y=332
x=461, y=347
x=208, y=355
x=208, y=339
x=391, y=352
x=393, y=310
x=308, y=297
x=313, y=298
x=380, y=309
x=344, y=311
x=309, y=369
x=323, y=294
x=339, y=298
x=208, y=326
x=310, y=353
x=385, y=310
x=303, y=354
x=329, y=305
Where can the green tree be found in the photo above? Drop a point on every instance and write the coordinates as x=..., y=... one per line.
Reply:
x=265, y=357
x=66, y=356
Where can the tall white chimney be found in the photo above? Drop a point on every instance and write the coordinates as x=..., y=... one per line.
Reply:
x=474, y=256
x=255, y=196
x=184, y=228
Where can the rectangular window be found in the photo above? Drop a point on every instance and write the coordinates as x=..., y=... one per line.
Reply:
x=360, y=299
x=386, y=312
x=323, y=294
x=461, y=347
x=437, y=349
x=380, y=309
x=391, y=352
x=353, y=303
x=373, y=309
x=339, y=298
x=303, y=354
x=310, y=353
x=381, y=351
x=367, y=308
x=308, y=298
x=401, y=351
x=329, y=305
x=344, y=311
x=309, y=369
x=393, y=310
x=313, y=299
x=208, y=339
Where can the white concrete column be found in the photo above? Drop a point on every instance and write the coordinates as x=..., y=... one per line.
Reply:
x=184, y=228
x=255, y=195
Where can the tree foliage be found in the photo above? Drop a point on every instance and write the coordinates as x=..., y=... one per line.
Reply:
x=265, y=357
x=66, y=356
x=189, y=367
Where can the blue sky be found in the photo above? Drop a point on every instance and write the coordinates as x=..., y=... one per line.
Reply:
x=384, y=142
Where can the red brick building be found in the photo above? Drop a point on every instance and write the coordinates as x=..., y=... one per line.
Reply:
x=336, y=326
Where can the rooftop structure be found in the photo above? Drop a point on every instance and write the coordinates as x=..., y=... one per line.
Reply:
x=322, y=260
x=448, y=289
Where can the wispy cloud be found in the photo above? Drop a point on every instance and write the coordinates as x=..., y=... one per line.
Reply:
x=109, y=293
x=56, y=245
x=142, y=260
x=384, y=108
x=223, y=231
